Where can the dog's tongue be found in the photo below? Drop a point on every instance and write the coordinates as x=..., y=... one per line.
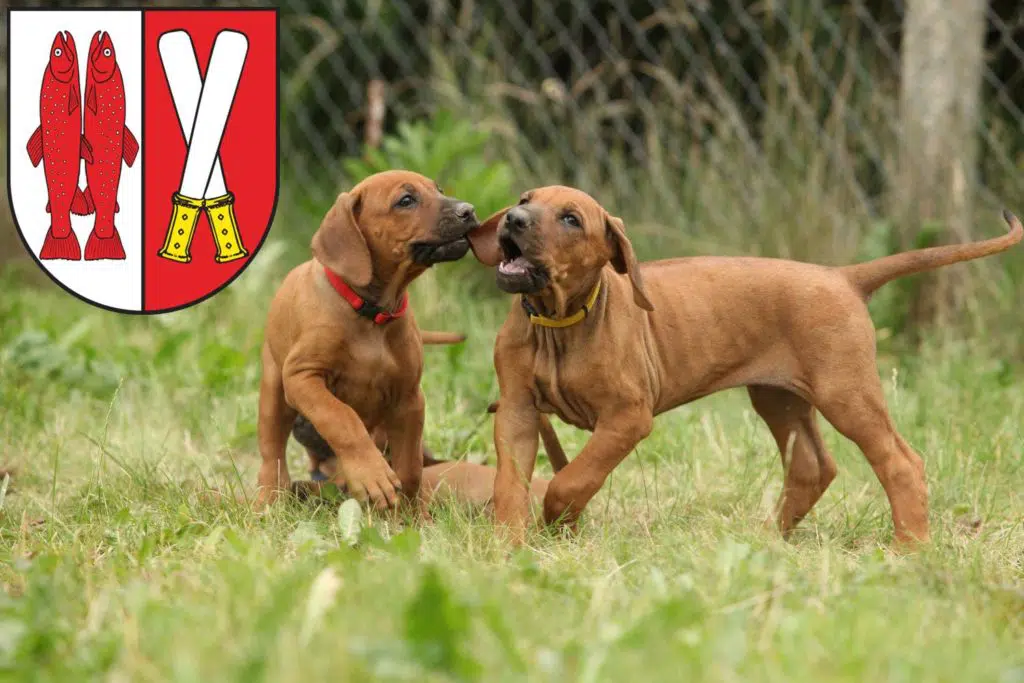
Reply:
x=516, y=266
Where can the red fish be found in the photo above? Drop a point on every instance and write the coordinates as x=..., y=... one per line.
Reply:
x=58, y=143
x=110, y=141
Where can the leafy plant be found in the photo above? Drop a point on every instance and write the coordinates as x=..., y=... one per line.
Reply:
x=452, y=151
x=438, y=629
x=62, y=362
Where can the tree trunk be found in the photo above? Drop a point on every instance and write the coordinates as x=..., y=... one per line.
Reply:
x=942, y=63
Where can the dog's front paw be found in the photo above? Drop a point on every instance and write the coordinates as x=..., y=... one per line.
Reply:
x=370, y=479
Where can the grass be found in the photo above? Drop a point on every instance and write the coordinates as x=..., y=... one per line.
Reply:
x=129, y=554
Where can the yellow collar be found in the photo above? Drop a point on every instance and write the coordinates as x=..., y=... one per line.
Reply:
x=579, y=315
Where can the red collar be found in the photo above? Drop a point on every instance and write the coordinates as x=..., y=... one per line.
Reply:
x=362, y=306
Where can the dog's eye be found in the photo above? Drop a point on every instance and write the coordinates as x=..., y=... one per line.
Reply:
x=524, y=200
x=572, y=220
x=405, y=201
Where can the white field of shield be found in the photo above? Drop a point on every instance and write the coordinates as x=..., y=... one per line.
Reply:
x=116, y=284
x=181, y=67
x=212, y=111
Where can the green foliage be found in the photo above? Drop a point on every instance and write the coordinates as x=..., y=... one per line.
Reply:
x=449, y=150
x=437, y=629
x=66, y=361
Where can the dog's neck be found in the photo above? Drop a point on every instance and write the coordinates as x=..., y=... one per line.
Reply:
x=555, y=303
x=387, y=286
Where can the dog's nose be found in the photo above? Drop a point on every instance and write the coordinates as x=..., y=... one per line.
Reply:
x=516, y=220
x=464, y=211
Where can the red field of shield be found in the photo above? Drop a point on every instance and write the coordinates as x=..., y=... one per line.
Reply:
x=180, y=268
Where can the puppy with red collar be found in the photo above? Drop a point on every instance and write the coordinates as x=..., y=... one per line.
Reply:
x=342, y=348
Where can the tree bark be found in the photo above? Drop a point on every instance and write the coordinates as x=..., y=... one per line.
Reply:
x=942, y=63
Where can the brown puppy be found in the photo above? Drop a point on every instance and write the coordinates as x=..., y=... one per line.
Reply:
x=342, y=350
x=644, y=339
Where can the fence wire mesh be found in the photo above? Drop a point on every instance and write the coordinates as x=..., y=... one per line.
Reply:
x=675, y=108
x=704, y=115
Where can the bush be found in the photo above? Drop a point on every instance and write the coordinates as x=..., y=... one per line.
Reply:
x=451, y=151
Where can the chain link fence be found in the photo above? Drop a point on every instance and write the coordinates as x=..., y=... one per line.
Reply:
x=704, y=115
x=720, y=123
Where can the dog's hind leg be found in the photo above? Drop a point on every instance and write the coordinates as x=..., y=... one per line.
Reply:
x=317, y=449
x=857, y=409
x=274, y=424
x=809, y=467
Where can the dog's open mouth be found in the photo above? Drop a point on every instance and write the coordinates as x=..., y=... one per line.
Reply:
x=513, y=262
x=429, y=253
x=516, y=272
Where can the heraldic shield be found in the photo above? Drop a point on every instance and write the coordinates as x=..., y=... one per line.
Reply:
x=143, y=148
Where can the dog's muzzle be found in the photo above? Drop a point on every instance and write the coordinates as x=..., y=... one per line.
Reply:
x=457, y=220
x=517, y=272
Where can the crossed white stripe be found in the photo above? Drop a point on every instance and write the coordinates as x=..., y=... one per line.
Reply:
x=203, y=176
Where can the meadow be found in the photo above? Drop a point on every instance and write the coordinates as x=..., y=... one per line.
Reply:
x=128, y=551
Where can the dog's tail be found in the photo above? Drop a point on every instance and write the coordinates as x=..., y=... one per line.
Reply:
x=869, y=276
x=441, y=337
x=552, y=445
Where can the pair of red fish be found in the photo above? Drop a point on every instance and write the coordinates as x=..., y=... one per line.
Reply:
x=60, y=143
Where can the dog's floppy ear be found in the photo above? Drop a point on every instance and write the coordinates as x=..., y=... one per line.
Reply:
x=339, y=244
x=624, y=260
x=484, y=239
